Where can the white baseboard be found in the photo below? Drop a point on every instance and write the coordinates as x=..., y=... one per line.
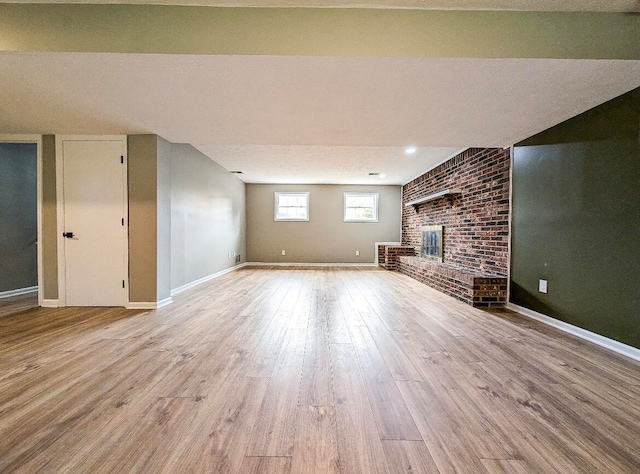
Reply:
x=164, y=302
x=149, y=304
x=615, y=346
x=182, y=288
x=50, y=303
x=292, y=264
x=141, y=305
x=18, y=292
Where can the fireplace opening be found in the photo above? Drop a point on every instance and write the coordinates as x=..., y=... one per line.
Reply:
x=431, y=242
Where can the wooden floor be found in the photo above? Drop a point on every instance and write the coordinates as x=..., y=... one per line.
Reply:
x=309, y=370
x=16, y=304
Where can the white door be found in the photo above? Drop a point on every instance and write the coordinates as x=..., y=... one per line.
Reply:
x=94, y=231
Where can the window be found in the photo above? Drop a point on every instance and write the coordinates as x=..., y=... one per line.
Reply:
x=361, y=207
x=292, y=207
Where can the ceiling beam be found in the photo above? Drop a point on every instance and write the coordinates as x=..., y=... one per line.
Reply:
x=317, y=32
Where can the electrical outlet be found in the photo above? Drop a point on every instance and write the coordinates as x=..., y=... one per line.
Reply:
x=357, y=253
x=542, y=286
x=229, y=254
x=284, y=252
x=234, y=254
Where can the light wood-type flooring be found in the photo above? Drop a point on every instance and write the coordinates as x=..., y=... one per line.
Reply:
x=16, y=304
x=325, y=370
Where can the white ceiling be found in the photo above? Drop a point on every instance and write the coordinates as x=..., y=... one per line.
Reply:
x=326, y=164
x=305, y=119
x=518, y=5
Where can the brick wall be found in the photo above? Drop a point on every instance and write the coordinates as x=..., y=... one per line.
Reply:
x=476, y=227
x=381, y=255
x=392, y=252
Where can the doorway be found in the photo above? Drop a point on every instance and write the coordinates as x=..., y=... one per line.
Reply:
x=92, y=221
x=19, y=220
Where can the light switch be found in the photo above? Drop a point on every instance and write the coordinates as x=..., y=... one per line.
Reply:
x=542, y=286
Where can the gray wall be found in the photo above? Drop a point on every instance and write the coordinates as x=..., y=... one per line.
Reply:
x=163, y=207
x=325, y=238
x=49, y=219
x=207, y=216
x=576, y=220
x=18, y=215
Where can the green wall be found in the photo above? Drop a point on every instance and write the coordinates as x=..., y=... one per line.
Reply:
x=576, y=220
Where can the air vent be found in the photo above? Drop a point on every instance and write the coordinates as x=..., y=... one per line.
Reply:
x=235, y=172
x=374, y=174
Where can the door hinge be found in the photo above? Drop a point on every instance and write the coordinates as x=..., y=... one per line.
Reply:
x=122, y=283
x=123, y=221
x=122, y=159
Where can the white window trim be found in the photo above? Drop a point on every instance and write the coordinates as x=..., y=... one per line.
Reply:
x=275, y=207
x=344, y=206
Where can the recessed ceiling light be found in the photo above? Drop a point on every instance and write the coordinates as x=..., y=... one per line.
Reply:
x=410, y=150
x=235, y=172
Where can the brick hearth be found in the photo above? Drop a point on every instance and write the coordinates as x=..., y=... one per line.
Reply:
x=479, y=290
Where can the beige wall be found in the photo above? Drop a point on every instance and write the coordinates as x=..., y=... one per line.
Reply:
x=207, y=216
x=142, y=183
x=49, y=219
x=325, y=238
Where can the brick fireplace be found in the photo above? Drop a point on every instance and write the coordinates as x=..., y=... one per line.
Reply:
x=475, y=221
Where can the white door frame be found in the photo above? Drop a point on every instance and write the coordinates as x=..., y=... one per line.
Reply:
x=62, y=286
x=37, y=139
